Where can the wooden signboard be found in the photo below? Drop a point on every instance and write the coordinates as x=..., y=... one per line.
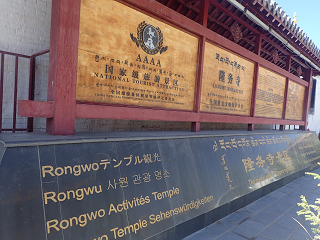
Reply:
x=270, y=94
x=226, y=83
x=126, y=57
x=295, y=101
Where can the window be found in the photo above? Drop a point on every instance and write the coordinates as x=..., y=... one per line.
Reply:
x=313, y=96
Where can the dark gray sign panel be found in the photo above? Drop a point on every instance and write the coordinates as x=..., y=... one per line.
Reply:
x=138, y=189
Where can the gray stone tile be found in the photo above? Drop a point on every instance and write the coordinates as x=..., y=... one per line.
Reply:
x=248, y=228
x=266, y=200
x=302, y=234
x=317, y=170
x=316, y=190
x=311, y=185
x=268, y=218
x=277, y=194
x=295, y=209
x=295, y=194
x=303, y=190
x=264, y=217
x=231, y=236
x=200, y=235
x=278, y=208
x=291, y=199
x=287, y=220
x=238, y=216
x=307, y=177
x=307, y=225
x=312, y=196
x=219, y=227
x=293, y=185
x=286, y=189
x=301, y=181
x=261, y=237
x=295, y=238
x=254, y=207
x=277, y=232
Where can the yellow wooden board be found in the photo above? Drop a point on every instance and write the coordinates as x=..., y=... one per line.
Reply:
x=295, y=101
x=114, y=67
x=270, y=93
x=226, y=83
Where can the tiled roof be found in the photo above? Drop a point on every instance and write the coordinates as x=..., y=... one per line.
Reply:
x=276, y=11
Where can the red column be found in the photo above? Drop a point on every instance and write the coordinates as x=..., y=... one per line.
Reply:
x=195, y=126
x=1, y=88
x=203, y=14
x=257, y=51
x=203, y=19
x=31, y=89
x=15, y=95
x=63, y=65
x=285, y=99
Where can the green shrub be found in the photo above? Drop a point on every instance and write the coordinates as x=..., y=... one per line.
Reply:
x=311, y=212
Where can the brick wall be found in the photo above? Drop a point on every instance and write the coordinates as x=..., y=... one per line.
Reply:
x=25, y=29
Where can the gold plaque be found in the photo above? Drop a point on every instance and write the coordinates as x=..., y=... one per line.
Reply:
x=270, y=93
x=295, y=101
x=126, y=57
x=226, y=83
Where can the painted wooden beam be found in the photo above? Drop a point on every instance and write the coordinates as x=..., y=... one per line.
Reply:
x=63, y=58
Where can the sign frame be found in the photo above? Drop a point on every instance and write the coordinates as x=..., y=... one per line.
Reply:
x=62, y=109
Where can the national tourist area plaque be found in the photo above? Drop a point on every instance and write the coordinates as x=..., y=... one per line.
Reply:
x=133, y=60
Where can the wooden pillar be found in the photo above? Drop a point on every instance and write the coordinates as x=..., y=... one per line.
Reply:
x=195, y=126
x=288, y=63
x=1, y=88
x=63, y=59
x=203, y=14
x=308, y=78
x=31, y=90
x=285, y=98
x=257, y=51
x=284, y=106
x=203, y=19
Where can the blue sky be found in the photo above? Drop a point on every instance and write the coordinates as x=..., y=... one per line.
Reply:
x=307, y=16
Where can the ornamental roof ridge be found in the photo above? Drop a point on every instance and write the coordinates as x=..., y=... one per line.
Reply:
x=278, y=12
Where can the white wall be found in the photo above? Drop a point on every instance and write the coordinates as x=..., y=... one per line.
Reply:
x=314, y=119
x=25, y=29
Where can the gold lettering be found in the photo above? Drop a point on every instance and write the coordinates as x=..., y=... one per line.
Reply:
x=112, y=209
x=115, y=229
x=76, y=220
x=64, y=196
x=44, y=171
x=55, y=221
x=79, y=193
x=59, y=171
x=66, y=224
x=83, y=220
x=52, y=197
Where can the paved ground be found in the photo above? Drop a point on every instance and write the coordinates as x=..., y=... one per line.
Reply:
x=270, y=217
